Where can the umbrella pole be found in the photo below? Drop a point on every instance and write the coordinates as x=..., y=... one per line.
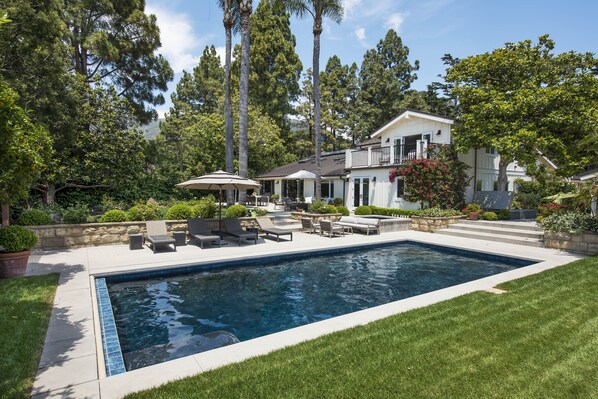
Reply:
x=220, y=215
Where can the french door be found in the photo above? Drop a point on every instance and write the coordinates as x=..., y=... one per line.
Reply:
x=361, y=191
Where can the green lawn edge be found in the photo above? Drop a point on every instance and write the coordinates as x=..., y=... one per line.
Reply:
x=25, y=309
x=538, y=340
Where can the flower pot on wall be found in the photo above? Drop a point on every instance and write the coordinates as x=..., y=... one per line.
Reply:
x=473, y=215
x=13, y=264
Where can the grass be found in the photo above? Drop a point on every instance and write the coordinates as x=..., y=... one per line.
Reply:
x=538, y=340
x=25, y=308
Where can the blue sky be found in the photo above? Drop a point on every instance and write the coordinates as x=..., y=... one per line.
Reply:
x=430, y=28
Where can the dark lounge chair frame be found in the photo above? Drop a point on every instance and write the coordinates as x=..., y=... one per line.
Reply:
x=157, y=234
x=198, y=230
x=232, y=227
x=267, y=227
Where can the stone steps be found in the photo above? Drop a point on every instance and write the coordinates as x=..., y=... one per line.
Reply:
x=521, y=233
x=286, y=222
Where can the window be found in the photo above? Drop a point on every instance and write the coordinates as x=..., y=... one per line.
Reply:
x=490, y=151
x=327, y=189
x=478, y=185
x=400, y=187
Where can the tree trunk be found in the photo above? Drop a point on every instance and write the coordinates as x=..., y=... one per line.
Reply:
x=5, y=214
x=228, y=111
x=317, y=124
x=502, y=174
x=245, y=8
x=49, y=194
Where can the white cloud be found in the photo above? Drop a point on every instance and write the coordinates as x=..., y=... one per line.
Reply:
x=350, y=5
x=360, y=33
x=180, y=45
x=395, y=20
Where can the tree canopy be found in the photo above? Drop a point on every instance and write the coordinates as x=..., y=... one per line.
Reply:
x=523, y=98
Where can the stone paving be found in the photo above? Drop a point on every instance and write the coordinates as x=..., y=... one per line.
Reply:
x=69, y=363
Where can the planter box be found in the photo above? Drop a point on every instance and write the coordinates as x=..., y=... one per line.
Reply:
x=586, y=242
x=431, y=224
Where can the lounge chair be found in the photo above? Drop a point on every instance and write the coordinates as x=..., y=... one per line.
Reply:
x=268, y=227
x=232, y=226
x=158, y=235
x=308, y=226
x=198, y=230
x=326, y=226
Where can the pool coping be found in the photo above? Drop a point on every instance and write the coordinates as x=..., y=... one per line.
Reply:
x=57, y=381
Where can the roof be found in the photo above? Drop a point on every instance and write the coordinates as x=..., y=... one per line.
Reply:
x=409, y=113
x=333, y=165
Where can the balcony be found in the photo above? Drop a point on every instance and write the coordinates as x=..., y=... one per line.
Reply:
x=385, y=156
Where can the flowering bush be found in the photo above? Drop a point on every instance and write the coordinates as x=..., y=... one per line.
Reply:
x=438, y=212
x=572, y=222
x=470, y=208
x=550, y=209
x=438, y=182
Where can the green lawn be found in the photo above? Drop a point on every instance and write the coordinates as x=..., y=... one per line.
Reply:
x=539, y=340
x=25, y=308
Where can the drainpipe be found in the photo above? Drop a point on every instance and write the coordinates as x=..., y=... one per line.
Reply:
x=475, y=170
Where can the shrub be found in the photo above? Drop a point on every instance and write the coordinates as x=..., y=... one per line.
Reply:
x=274, y=197
x=94, y=219
x=572, y=222
x=75, y=215
x=259, y=212
x=392, y=211
x=205, y=208
x=489, y=216
x=437, y=212
x=317, y=207
x=179, y=212
x=551, y=208
x=539, y=219
x=115, y=215
x=530, y=193
x=34, y=217
x=17, y=238
x=330, y=209
x=363, y=210
x=503, y=214
x=337, y=202
x=236, y=211
x=343, y=210
x=144, y=212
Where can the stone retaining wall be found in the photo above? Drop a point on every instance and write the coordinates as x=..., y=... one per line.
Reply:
x=585, y=242
x=316, y=216
x=431, y=224
x=61, y=236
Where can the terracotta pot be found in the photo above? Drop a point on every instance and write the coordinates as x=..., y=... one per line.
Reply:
x=473, y=215
x=13, y=264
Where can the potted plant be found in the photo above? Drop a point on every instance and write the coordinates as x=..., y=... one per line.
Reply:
x=16, y=243
x=472, y=211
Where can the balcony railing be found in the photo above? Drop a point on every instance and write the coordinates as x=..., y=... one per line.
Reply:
x=381, y=156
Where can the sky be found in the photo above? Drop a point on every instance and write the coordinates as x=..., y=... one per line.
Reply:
x=429, y=28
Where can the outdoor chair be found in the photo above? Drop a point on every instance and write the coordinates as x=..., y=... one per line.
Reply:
x=308, y=226
x=158, y=235
x=232, y=226
x=278, y=204
x=268, y=227
x=326, y=226
x=198, y=230
x=289, y=204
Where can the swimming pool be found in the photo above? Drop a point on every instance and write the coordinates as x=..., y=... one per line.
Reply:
x=165, y=315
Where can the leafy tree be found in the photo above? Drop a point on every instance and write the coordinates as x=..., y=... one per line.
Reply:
x=523, y=98
x=25, y=150
x=105, y=152
x=115, y=42
x=339, y=92
x=275, y=67
x=318, y=9
x=386, y=75
x=202, y=90
x=245, y=7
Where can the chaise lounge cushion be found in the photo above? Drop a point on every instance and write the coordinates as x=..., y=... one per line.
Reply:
x=359, y=223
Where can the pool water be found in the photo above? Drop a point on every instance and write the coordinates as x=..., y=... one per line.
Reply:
x=162, y=319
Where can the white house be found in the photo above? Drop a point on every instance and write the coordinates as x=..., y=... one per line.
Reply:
x=405, y=138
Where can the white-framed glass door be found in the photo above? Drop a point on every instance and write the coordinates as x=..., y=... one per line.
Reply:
x=361, y=191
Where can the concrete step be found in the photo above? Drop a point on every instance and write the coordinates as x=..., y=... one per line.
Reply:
x=531, y=242
x=507, y=231
x=520, y=225
x=285, y=222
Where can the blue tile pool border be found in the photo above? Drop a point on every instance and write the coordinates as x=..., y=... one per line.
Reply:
x=113, y=357
x=265, y=260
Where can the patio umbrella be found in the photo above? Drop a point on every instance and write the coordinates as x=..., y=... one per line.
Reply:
x=300, y=175
x=219, y=180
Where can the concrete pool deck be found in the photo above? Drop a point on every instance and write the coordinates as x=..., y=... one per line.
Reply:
x=69, y=363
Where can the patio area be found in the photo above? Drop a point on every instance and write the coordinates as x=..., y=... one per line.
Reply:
x=70, y=365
